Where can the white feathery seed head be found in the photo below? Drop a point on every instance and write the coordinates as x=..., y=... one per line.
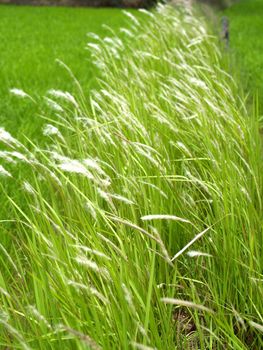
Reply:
x=120, y=198
x=65, y=95
x=51, y=130
x=4, y=292
x=4, y=172
x=33, y=310
x=94, y=47
x=163, y=217
x=92, y=290
x=6, y=156
x=90, y=208
x=53, y=105
x=195, y=253
x=82, y=260
x=131, y=17
x=28, y=188
x=75, y=166
x=6, y=138
x=92, y=251
x=93, y=164
x=127, y=32
x=19, y=93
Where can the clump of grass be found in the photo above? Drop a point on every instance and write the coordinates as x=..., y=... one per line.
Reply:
x=163, y=158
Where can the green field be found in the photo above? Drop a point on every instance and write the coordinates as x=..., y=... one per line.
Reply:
x=31, y=39
x=131, y=216
x=246, y=32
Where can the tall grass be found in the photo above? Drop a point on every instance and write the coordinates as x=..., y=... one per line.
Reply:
x=142, y=226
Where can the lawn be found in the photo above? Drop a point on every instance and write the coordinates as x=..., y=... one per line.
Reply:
x=246, y=32
x=31, y=39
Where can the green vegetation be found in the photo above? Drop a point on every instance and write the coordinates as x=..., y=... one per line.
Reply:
x=140, y=223
x=31, y=39
x=246, y=30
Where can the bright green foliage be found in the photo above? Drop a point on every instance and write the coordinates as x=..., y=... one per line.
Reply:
x=146, y=203
x=246, y=32
x=31, y=39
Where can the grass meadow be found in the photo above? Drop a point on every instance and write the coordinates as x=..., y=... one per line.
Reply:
x=31, y=40
x=137, y=222
x=246, y=23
